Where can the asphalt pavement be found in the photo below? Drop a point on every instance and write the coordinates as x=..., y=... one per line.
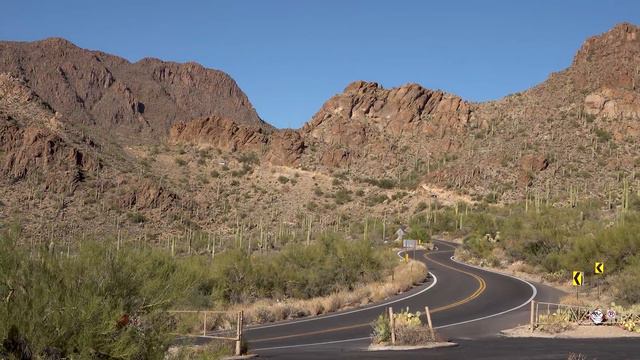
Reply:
x=465, y=302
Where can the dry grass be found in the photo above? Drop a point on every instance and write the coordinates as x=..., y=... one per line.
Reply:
x=413, y=335
x=556, y=322
x=406, y=275
x=214, y=350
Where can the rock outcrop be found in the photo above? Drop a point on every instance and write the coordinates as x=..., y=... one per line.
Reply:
x=32, y=142
x=281, y=147
x=146, y=97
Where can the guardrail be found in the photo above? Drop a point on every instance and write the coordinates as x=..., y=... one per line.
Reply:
x=214, y=325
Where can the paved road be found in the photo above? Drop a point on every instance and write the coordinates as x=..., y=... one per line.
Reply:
x=479, y=349
x=465, y=302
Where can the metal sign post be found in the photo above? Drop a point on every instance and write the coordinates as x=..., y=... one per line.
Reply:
x=578, y=277
x=598, y=269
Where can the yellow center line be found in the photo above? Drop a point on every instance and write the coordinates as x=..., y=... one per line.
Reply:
x=481, y=288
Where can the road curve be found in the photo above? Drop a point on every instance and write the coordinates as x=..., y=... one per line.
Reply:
x=459, y=297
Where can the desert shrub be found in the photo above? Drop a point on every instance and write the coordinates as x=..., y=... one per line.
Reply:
x=412, y=335
x=244, y=170
x=97, y=304
x=213, y=350
x=381, y=329
x=626, y=283
x=136, y=217
x=556, y=322
x=342, y=196
x=399, y=195
x=408, y=328
x=603, y=135
x=250, y=158
x=419, y=228
x=109, y=304
x=264, y=315
x=421, y=206
x=180, y=162
x=381, y=183
x=410, y=179
x=375, y=199
x=312, y=206
x=283, y=179
x=478, y=247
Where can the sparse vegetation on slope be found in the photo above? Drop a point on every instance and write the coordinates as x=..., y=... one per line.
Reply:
x=558, y=240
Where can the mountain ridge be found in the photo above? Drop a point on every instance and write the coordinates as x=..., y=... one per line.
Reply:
x=179, y=143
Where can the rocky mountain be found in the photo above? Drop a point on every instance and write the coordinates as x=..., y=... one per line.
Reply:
x=579, y=128
x=34, y=141
x=103, y=140
x=146, y=97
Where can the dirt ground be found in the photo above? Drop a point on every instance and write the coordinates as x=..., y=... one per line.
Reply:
x=580, y=332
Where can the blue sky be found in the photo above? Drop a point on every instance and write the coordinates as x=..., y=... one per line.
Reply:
x=291, y=56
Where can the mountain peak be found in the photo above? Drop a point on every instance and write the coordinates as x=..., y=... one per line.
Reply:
x=610, y=59
x=56, y=41
x=621, y=38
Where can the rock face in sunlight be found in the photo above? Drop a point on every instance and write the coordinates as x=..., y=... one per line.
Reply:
x=33, y=142
x=97, y=89
x=95, y=136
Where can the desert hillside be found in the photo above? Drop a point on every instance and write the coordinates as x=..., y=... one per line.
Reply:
x=155, y=150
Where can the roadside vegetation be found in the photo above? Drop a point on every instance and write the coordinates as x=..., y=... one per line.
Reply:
x=551, y=240
x=101, y=302
x=409, y=329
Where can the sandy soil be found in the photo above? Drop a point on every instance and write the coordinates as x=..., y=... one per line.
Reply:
x=580, y=332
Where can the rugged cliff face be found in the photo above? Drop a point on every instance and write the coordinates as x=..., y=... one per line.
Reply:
x=369, y=123
x=147, y=97
x=280, y=147
x=34, y=142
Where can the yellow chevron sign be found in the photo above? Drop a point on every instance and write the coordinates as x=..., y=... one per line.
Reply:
x=577, y=278
x=598, y=268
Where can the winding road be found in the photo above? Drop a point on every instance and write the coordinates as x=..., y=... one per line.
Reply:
x=465, y=302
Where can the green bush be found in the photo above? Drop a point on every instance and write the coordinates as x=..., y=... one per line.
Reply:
x=244, y=170
x=381, y=329
x=250, y=158
x=375, y=199
x=603, y=135
x=382, y=183
x=136, y=217
x=342, y=196
x=98, y=304
x=626, y=284
x=103, y=303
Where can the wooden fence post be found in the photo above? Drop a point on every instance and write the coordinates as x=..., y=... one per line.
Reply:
x=392, y=324
x=533, y=316
x=426, y=311
x=204, y=325
x=239, y=335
